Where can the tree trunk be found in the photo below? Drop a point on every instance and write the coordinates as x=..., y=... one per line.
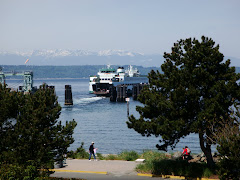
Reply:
x=206, y=150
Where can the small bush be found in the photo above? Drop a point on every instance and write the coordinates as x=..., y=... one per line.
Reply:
x=100, y=156
x=31, y=172
x=80, y=153
x=144, y=168
x=207, y=173
x=112, y=157
x=129, y=155
x=153, y=155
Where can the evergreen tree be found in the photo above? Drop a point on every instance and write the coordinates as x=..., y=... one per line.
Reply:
x=194, y=91
x=8, y=113
x=36, y=136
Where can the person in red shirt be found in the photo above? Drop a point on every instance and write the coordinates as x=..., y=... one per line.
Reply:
x=186, y=153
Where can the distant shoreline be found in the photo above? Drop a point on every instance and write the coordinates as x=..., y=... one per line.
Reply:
x=47, y=78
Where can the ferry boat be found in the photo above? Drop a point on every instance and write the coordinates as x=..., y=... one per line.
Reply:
x=106, y=77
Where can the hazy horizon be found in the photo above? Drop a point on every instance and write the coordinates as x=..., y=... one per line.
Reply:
x=141, y=26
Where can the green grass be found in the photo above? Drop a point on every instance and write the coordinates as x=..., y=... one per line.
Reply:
x=129, y=155
x=153, y=155
x=81, y=153
x=112, y=157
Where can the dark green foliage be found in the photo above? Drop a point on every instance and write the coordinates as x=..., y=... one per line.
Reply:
x=27, y=171
x=11, y=171
x=228, y=140
x=30, y=131
x=176, y=167
x=8, y=111
x=194, y=92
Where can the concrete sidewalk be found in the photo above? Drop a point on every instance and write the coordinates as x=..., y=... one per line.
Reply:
x=99, y=170
x=115, y=167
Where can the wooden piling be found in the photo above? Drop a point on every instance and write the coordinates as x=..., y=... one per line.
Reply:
x=124, y=93
x=68, y=95
x=118, y=93
x=113, y=93
x=134, y=92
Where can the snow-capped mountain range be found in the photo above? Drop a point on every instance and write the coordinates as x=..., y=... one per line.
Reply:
x=79, y=57
x=64, y=52
x=84, y=57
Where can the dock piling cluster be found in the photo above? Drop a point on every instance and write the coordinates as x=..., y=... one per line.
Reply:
x=121, y=92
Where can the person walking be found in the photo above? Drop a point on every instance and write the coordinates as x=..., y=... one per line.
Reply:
x=91, y=152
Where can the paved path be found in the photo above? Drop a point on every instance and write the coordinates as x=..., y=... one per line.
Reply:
x=103, y=169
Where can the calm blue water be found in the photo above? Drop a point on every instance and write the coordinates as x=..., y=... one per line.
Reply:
x=102, y=121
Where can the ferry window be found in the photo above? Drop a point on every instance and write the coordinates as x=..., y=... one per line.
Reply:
x=105, y=79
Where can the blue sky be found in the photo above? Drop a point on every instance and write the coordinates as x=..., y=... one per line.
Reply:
x=146, y=26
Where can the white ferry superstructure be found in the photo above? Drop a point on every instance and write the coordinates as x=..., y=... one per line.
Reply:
x=106, y=77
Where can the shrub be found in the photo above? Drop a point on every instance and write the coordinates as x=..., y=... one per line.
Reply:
x=80, y=153
x=100, y=156
x=16, y=171
x=10, y=171
x=176, y=167
x=153, y=155
x=112, y=157
x=129, y=155
x=163, y=167
x=143, y=168
x=229, y=139
x=207, y=172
